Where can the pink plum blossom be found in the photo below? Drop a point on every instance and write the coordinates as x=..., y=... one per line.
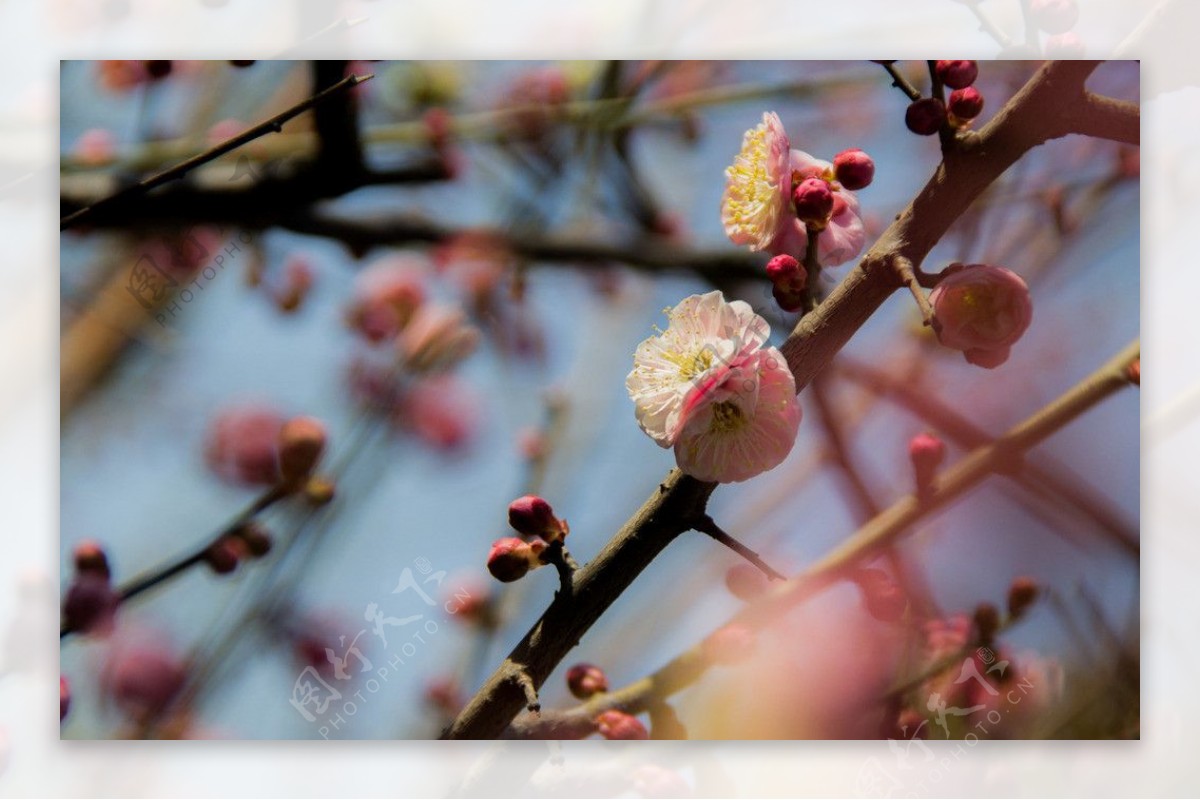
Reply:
x=844, y=234
x=758, y=185
x=386, y=295
x=242, y=444
x=982, y=310
x=709, y=388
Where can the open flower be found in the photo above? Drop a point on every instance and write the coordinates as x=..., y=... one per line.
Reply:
x=709, y=388
x=704, y=333
x=982, y=310
x=758, y=185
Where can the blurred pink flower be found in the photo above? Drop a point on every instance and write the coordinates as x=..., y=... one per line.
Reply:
x=756, y=202
x=704, y=333
x=95, y=146
x=982, y=310
x=120, y=76
x=143, y=678
x=242, y=444
x=386, y=295
x=440, y=411
x=436, y=339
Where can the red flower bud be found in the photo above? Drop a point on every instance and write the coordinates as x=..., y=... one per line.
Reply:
x=957, y=74
x=90, y=604
x=966, y=103
x=813, y=200
x=619, y=725
x=585, y=680
x=854, y=169
x=745, y=581
x=301, y=442
x=89, y=556
x=926, y=116
x=511, y=558
x=927, y=453
x=222, y=556
x=1021, y=595
x=532, y=516
x=783, y=270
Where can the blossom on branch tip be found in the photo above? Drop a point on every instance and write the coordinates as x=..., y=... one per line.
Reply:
x=926, y=116
x=757, y=185
x=957, y=74
x=532, y=516
x=982, y=310
x=965, y=104
x=708, y=387
x=510, y=559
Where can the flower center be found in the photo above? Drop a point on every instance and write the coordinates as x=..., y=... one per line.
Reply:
x=727, y=417
x=691, y=365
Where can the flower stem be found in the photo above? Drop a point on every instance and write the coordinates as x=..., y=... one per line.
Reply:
x=707, y=525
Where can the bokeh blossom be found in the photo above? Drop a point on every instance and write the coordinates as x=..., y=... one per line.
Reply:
x=709, y=388
x=982, y=310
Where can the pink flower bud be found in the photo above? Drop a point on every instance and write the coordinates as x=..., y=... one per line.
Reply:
x=813, y=201
x=1021, y=595
x=927, y=453
x=1065, y=46
x=957, y=74
x=854, y=169
x=615, y=724
x=785, y=271
x=981, y=310
x=926, y=116
x=729, y=644
x=254, y=538
x=301, y=443
x=436, y=339
x=222, y=556
x=511, y=558
x=64, y=698
x=882, y=596
x=585, y=680
x=243, y=444
x=90, y=604
x=89, y=556
x=95, y=146
x=143, y=679
x=745, y=581
x=787, y=298
x=966, y=103
x=532, y=516
x=1054, y=16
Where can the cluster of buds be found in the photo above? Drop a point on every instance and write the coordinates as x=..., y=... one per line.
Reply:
x=251, y=540
x=532, y=517
x=90, y=604
x=928, y=115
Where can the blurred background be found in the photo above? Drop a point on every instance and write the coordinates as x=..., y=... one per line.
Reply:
x=559, y=206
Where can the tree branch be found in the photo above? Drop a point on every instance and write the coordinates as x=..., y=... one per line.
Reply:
x=1028, y=119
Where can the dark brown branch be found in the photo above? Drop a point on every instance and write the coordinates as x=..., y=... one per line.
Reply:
x=707, y=525
x=900, y=82
x=273, y=125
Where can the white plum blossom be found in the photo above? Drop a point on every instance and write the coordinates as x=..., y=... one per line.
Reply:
x=758, y=185
x=708, y=387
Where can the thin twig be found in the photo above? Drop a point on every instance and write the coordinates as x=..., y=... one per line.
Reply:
x=707, y=525
x=904, y=270
x=900, y=82
x=273, y=125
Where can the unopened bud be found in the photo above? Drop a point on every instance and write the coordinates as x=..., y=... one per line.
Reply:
x=301, y=442
x=90, y=604
x=813, y=200
x=619, y=725
x=532, y=516
x=745, y=581
x=585, y=680
x=927, y=453
x=1021, y=595
x=854, y=169
x=223, y=556
x=926, y=116
x=957, y=74
x=511, y=558
x=320, y=491
x=987, y=622
x=255, y=537
x=90, y=557
x=966, y=104
x=788, y=298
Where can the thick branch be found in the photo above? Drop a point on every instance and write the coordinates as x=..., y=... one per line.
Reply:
x=273, y=125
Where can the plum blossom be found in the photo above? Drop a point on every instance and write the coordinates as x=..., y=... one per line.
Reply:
x=708, y=387
x=982, y=310
x=758, y=185
x=757, y=207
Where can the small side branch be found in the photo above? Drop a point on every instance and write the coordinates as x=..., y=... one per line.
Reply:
x=273, y=125
x=908, y=276
x=900, y=82
x=708, y=526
